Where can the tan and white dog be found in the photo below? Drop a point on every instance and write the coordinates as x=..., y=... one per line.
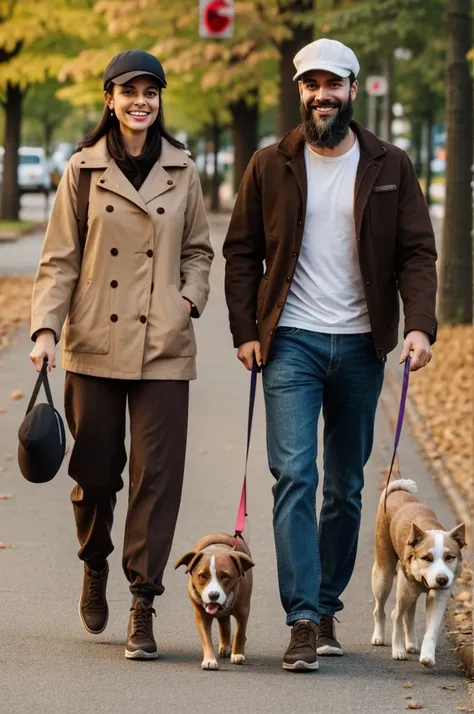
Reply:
x=409, y=539
x=220, y=585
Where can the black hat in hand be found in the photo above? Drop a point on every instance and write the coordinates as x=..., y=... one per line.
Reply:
x=42, y=438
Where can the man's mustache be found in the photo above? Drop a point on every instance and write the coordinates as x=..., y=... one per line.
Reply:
x=333, y=103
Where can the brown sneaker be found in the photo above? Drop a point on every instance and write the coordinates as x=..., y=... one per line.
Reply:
x=140, y=641
x=93, y=608
x=301, y=653
x=327, y=643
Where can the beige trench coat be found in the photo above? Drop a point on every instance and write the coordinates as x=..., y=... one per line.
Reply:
x=121, y=313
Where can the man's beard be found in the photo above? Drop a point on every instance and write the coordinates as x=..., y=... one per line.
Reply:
x=327, y=131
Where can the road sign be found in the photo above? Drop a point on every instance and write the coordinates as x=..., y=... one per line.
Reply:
x=216, y=18
x=376, y=85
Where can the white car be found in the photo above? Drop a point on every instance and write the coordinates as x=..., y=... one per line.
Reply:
x=34, y=175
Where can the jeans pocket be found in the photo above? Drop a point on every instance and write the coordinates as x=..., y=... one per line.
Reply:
x=287, y=330
x=366, y=337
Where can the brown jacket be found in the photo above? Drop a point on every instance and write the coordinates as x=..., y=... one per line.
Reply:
x=122, y=306
x=395, y=241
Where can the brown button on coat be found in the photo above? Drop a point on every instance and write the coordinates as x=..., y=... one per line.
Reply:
x=395, y=241
x=122, y=308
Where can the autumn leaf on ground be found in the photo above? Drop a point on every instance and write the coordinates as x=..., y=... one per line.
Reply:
x=414, y=705
x=5, y=496
x=449, y=687
x=408, y=685
x=2, y=410
x=17, y=394
x=3, y=546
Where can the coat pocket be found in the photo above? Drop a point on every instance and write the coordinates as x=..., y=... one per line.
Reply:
x=175, y=332
x=88, y=326
x=383, y=208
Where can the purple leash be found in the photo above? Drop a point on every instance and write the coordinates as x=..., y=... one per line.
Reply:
x=401, y=414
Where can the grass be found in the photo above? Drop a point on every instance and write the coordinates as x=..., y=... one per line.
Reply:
x=16, y=227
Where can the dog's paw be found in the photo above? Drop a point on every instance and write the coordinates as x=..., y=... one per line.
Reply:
x=411, y=648
x=377, y=641
x=224, y=651
x=427, y=661
x=399, y=654
x=209, y=664
x=237, y=659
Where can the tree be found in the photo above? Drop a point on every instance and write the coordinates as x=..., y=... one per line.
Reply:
x=455, y=303
x=35, y=37
x=298, y=20
x=43, y=106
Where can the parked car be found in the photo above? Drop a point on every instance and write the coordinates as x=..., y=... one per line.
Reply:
x=34, y=174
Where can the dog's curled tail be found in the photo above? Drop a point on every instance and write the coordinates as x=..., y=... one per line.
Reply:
x=402, y=484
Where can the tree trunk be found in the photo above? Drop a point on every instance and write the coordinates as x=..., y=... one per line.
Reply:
x=417, y=147
x=10, y=197
x=455, y=304
x=429, y=156
x=245, y=134
x=288, y=115
x=216, y=179
x=48, y=133
x=387, y=102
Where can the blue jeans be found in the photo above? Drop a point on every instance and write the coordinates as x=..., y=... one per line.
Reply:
x=342, y=374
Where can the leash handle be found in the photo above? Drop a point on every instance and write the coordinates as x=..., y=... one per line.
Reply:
x=401, y=414
x=242, y=512
x=42, y=380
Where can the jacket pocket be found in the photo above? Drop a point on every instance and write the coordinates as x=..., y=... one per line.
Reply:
x=175, y=331
x=88, y=326
x=383, y=207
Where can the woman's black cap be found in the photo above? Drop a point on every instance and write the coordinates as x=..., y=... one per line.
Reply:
x=133, y=63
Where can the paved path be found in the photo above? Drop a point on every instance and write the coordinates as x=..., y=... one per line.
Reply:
x=49, y=664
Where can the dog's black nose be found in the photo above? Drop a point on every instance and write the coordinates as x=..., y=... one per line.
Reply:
x=213, y=596
x=442, y=580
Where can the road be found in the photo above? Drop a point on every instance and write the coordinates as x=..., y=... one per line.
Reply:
x=50, y=665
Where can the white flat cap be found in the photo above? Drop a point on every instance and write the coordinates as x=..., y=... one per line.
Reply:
x=329, y=55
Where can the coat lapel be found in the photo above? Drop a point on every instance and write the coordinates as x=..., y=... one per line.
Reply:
x=157, y=182
x=114, y=180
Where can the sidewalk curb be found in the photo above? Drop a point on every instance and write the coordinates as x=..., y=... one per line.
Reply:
x=422, y=434
x=12, y=236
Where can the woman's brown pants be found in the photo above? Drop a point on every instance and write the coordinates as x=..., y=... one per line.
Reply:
x=95, y=411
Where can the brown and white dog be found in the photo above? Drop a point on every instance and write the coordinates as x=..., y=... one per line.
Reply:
x=220, y=585
x=409, y=539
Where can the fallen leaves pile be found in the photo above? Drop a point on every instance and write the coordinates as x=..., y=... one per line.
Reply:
x=443, y=393
x=15, y=300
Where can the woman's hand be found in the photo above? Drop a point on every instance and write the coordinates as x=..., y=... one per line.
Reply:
x=45, y=346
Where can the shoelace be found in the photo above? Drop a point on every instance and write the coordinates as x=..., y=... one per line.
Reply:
x=326, y=627
x=95, y=590
x=142, y=619
x=301, y=634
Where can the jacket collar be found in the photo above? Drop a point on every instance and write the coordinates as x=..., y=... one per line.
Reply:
x=98, y=157
x=157, y=182
x=293, y=143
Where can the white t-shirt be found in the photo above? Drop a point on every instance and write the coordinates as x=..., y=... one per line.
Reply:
x=327, y=294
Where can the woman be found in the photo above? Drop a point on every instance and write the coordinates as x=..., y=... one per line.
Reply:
x=126, y=301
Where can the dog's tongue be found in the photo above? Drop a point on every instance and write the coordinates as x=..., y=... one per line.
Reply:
x=212, y=608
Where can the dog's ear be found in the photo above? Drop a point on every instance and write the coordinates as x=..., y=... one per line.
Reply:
x=191, y=559
x=416, y=535
x=242, y=561
x=459, y=535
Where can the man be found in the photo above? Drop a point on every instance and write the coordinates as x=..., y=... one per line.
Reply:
x=339, y=219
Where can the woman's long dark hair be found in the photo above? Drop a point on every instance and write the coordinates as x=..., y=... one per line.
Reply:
x=109, y=126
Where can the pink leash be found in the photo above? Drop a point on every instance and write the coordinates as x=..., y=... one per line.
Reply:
x=242, y=512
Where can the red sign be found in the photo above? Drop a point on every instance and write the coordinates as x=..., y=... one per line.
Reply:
x=216, y=18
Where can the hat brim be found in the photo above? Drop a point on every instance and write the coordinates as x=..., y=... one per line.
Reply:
x=127, y=76
x=338, y=71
